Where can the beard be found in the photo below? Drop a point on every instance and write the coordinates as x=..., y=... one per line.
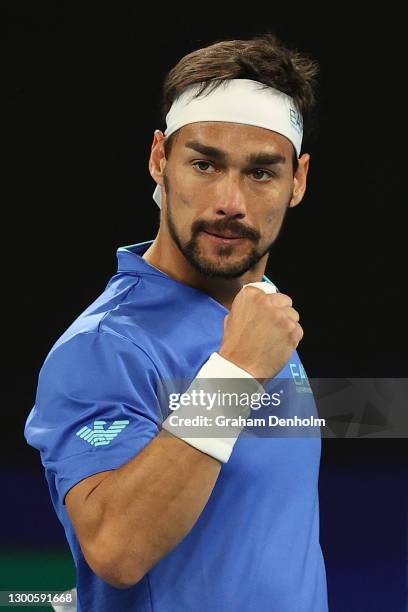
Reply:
x=226, y=263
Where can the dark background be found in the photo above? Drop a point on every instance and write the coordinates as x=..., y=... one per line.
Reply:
x=84, y=102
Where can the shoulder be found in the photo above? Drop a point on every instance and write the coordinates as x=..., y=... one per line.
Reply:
x=98, y=359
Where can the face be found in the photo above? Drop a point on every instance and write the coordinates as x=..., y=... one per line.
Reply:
x=228, y=187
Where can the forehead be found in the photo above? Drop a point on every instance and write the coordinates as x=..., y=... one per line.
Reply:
x=235, y=138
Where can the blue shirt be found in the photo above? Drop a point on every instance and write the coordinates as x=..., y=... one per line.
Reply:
x=255, y=546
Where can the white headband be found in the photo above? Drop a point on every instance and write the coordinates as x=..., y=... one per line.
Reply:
x=237, y=101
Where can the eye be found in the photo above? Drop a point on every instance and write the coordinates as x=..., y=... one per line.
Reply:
x=202, y=162
x=265, y=172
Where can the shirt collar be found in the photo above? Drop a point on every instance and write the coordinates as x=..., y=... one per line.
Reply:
x=130, y=260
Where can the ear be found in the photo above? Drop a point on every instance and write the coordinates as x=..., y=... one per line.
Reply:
x=300, y=180
x=157, y=161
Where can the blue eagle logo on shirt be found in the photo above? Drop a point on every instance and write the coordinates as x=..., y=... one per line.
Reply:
x=99, y=436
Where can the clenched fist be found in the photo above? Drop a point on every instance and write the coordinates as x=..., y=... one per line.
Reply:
x=261, y=331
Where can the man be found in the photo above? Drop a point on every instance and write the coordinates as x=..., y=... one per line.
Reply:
x=158, y=517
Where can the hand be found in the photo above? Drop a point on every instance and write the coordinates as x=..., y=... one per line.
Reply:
x=260, y=332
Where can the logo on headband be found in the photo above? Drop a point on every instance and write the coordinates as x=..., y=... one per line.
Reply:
x=296, y=120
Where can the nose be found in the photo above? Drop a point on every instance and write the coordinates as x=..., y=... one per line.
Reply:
x=231, y=198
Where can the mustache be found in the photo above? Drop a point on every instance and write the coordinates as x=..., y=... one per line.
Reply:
x=225, y=225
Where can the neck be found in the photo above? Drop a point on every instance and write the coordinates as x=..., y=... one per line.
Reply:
x=165, y=255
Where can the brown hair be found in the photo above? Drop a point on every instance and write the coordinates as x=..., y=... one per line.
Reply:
x=263, y=58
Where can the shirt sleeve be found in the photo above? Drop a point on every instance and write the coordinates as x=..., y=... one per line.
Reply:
x=96, y=407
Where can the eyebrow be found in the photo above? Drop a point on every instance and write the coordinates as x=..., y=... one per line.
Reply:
x=264, y=158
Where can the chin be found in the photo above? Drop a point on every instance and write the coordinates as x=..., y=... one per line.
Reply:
x=214, y=268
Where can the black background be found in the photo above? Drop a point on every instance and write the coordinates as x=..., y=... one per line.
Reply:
x=84, y=102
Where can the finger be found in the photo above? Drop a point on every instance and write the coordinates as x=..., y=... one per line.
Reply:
x=293, y=314
x=280, y=299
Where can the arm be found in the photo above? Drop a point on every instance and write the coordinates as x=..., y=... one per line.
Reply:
x=127, y=519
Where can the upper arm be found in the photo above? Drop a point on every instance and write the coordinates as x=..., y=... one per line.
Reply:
x=96, y=408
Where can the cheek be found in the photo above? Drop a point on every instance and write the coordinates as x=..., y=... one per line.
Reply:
x=181, y=212
x=273, y=216
x=188, y=201
x=276, y=212
x=192, y=184
x=272, y=223
x=189, y=198
x=183, y=192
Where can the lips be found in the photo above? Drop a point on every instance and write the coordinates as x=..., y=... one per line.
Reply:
x=226, y=235
x=225, y=239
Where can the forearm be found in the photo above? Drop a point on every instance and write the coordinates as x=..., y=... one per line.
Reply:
x=142, y=510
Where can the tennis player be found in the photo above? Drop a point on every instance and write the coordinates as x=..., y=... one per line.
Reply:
x=160, y=517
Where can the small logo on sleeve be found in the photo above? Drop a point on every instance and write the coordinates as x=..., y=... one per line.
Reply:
x=99, y=436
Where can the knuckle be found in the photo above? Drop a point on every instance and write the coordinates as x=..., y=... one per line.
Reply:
x=296, y=333
x=291, y=325
x=255, y=292
x=299, y=330
x=295, y=313
x=285, y=323
x=284, y=299
x=281, y=317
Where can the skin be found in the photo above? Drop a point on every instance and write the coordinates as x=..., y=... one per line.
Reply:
x=201, y=193
x=118, y=515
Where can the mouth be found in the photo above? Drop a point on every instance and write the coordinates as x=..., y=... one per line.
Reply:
x=226, y=238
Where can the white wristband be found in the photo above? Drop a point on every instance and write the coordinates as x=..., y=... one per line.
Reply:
x=217, y=367
x=263, y=286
